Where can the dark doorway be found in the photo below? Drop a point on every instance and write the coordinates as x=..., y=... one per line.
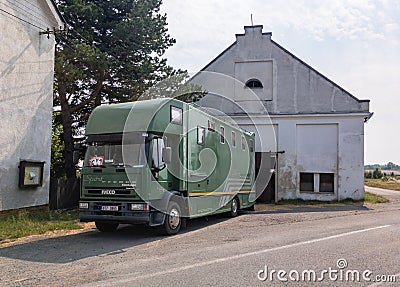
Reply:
x=265, y=165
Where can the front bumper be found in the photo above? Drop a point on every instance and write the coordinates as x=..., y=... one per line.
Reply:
x=151, y=217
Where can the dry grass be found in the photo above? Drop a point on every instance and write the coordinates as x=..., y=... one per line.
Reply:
x=368, y=198
x=386, y=183
x=24, y=223
x=373, y=198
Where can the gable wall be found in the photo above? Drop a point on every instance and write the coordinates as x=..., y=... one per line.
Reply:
x=290, y=85
x=308, y=112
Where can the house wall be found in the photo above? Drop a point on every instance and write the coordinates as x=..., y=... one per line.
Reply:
x=26, y=85
x=318, y=124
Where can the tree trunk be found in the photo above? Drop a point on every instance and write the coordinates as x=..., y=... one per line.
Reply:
x=68, y=135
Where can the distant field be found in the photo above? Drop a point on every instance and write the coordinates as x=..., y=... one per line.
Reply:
x=388, y=183
x=387, y=172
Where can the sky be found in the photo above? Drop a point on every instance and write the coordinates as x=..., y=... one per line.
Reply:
x=354, y=43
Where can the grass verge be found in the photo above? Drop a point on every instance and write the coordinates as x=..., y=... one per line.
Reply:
x=23, y=223
x=386, y=183
x=373, y=198
x=368, y=198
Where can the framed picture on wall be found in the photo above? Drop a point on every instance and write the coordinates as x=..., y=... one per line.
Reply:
x=30, y=173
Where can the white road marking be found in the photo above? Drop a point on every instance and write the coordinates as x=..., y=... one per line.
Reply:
x=116, y=281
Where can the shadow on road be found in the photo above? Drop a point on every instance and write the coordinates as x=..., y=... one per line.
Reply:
x=69, y=248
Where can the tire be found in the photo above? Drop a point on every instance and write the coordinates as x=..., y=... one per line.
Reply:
x=105, y=226
x=234, y=207
x=173, y=220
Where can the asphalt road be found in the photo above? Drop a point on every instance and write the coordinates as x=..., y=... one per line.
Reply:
x=288, y=240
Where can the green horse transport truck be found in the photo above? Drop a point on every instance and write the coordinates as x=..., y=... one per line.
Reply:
x=159, y=162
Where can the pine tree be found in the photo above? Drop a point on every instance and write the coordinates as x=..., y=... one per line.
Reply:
x=112, y=53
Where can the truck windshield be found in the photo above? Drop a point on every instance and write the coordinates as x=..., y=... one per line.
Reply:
x=103, y=154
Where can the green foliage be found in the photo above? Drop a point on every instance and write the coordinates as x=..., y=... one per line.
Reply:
x=377, y=173
x=388, y=166
x=24, y=223
x=57, y=167
x=391, y=166
x=373, y=198
x=112, y=53
x=176, y=86
x=367, y=174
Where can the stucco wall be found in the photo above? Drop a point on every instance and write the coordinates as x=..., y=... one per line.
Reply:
x=26, y=85
x=294, y=95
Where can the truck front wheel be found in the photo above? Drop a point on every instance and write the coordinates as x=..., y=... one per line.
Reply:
x=173, y=220
x=104, y=226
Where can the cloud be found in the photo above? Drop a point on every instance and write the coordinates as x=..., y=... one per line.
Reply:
x=354, y=42
x=205, y=28
x=339, y=19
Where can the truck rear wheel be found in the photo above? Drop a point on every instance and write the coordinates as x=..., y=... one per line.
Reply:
x=104, y=226
x=173, y=220
x=234, y=207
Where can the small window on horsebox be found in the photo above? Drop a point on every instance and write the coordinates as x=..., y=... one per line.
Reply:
x=233, y=139
x=251, y=146
x=243, y=143
x=222, y=134
x=201, y=135
x=211, y=126
x=176, y=116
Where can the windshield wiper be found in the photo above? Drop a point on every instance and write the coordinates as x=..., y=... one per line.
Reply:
x=121, y=165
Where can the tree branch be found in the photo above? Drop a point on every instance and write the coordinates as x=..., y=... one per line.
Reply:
x=93, y=96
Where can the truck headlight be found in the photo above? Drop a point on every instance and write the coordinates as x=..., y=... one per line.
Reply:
x=139, y=206
x=83, y=205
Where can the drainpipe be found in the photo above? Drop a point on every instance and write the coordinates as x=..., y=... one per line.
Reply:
x=277, y=172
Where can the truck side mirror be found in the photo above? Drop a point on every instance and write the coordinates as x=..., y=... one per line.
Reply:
x=167, y=154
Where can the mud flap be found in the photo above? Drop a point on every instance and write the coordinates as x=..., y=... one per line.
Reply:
x=156, y=219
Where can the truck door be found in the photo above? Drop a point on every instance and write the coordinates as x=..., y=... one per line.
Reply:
x=197, y=175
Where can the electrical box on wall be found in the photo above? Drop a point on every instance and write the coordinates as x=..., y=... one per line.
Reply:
x=30, y=173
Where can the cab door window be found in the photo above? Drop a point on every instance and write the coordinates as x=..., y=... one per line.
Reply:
x=157, y=160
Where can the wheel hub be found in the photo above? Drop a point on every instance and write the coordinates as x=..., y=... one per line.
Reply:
x=173, y=218
x=234, y=205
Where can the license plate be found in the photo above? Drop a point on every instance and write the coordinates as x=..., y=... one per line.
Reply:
x=108, y=208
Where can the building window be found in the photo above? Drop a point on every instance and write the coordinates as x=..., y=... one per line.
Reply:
x=243, y=143
x=176, y=115
x=222, y=134
x=233, y=139
x=254, y=83
x=306, y=181
x=326, y=182
x=201, y=135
